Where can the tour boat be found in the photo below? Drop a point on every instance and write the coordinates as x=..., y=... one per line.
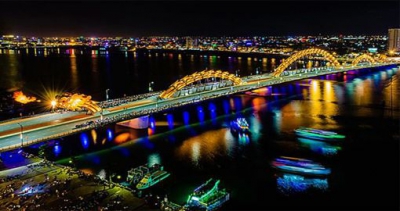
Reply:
x=300, y=165
x=318, y=134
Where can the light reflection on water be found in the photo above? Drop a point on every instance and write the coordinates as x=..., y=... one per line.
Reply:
x=205, y=144
x=154, y=158
x=289, y=184
x=320, y=147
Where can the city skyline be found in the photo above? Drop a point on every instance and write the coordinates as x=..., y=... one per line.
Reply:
x=193, y=18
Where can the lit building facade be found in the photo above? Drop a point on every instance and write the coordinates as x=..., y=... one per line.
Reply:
x=394, y=40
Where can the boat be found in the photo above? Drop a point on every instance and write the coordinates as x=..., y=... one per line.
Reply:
x=136, y=174
x=318, y=134
x=240, y=125
x=300, y=166
x=207, y=196
x=152, y=178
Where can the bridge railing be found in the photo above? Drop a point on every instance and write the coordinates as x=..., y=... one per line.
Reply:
x=127, y=99
x=26, y=116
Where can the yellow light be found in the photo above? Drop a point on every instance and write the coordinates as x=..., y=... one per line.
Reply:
x=53, y=103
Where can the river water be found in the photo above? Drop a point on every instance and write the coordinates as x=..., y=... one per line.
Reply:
x=194, y=143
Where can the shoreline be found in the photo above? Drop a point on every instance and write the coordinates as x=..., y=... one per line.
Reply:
x=45, y=185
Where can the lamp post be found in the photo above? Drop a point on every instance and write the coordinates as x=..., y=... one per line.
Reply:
x=21, y=134
x=107, y=93
x=151, y=86
x=257, y=70
x=53, y=104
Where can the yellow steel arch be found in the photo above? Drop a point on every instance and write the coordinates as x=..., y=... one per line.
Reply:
x=382, y=58
x=197, y=76
x=363, y=58
x=312, y=51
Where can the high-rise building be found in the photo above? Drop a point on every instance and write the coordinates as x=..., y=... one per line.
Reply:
x=394, y=40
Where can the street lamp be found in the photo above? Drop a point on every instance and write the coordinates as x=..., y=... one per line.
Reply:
x=151, y=86
x=53, y=104
x=257, y=70
x=107, y=93
x=21, y=134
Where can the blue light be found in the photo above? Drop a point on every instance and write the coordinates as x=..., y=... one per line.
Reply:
x=211, y=106
x=292, y=184
x=291, y=87
x=84, y=140
x=57, y=149
x=124, y=151
x=226, y=106
x=186, y=117
x=213, y=112
x=12, y=159
x=147, y=143
x=320, y=147
x=238, y=104
x=109, y=134
x=152, y=122
x=96, y=160
x=200, y=114
x=244, y=139
x=170, y=120
x=171, y=138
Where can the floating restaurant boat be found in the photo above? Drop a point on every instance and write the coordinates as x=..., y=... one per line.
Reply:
x=318, y=134
x=300, y=166
x=152, y=178
x=136, y=174
x=207, y=196
x=240, y=125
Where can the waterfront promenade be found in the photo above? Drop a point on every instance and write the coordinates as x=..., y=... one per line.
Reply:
x=38, y=184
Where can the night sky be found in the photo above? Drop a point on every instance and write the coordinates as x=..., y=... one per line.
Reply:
x=196, y=18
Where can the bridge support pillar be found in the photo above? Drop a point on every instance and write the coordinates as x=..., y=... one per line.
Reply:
x=137, y=123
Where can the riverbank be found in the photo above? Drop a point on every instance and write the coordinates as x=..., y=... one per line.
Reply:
x=44, y=185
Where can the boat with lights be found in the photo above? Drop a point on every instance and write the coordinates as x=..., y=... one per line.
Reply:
x=152, y=178
x=318, y=134
x=207, y=196
x=240, y=125
x=300, y=166
x=136, y=174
